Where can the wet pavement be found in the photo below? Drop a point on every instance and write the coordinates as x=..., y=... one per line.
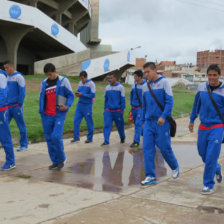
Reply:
x=101, y=185
x=113, y=169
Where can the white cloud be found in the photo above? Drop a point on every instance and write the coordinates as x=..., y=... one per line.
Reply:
x=166, y=29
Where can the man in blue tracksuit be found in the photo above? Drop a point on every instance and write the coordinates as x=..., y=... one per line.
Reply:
x=156, y=126
x=56, y=97
x=16, y=96
x=114, y=106
x=86, y=93
x=136, y=106
x=5, y=134
x=210, y=131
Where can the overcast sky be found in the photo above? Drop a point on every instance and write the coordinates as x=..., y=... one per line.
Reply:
x=165, y=29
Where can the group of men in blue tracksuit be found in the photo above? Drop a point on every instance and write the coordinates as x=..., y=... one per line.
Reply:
x=151, y=121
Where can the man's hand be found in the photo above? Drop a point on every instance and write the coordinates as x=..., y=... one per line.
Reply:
x=78, y=94
x=161, y=121
x=191, y=127
x=62, y=108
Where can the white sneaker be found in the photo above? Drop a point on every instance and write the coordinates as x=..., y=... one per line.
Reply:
x=175, y=173
x=207, y=190
x=148, y=181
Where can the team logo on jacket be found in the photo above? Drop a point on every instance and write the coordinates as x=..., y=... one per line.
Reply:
x=216, y=141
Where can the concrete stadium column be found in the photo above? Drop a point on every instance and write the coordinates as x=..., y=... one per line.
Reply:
x=12, y=38
x=90, y=35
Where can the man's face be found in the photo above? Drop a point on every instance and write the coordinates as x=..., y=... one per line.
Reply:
x=150, y=74
x=51, y=75
x=83, y=79
x=213, y=78
x=112, y=79
x=9, y=68
x=137, y=78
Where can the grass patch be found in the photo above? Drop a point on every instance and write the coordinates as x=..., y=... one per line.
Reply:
x=183, y=101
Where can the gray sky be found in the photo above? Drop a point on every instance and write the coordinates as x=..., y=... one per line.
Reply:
x=165, y=29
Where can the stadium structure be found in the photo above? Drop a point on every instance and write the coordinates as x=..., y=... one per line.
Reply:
x=64, y=32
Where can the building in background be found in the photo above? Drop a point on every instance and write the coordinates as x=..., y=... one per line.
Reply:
x=206, y=58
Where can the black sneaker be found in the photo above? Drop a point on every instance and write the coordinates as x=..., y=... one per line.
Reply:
x=105, y=143
x=122, y=141
x=60, y=165
x=134, y=145
x=219, y=177
x=53, y=166
x=88, y=141
x=75, y=140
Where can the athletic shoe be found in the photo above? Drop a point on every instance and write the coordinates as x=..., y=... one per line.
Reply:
x=88, y=141
x=22, y=148
x=148, y=181
x=8, y=166
x=122, y=141
x=219, y=177
x=104, y=143
x=134, y=145
x=53, y=167
x=175, y=173
x=60, y=165
x=207, y=190
x=75, y=140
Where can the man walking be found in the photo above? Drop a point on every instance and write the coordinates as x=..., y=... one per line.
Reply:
x=156, y=126
x=5, y=134
x=114, y=106
x=56, y=97
x=86, y=93
x=16, y=96
x=136, y=106
x=209, y=104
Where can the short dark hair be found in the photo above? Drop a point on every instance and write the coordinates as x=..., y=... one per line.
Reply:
x=8, y=62
x=139, y=73
x=150, y=65
x=113, y=74
x=214, y=67
x=49, y=67
x=83, y=73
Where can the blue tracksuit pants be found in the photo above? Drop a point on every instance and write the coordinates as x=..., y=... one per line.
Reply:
x=137, y=116
x=5, y=137
x=157, y=135
x=118, y=118
x=17, y=114
x=209, y=147
x=53, y=130
x=86, y=111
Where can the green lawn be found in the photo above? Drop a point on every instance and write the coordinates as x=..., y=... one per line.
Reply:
x=183, y=102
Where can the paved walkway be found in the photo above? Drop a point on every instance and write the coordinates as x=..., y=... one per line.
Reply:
x=79, y=194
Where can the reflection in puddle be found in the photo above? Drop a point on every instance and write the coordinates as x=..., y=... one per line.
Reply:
x=114, y=171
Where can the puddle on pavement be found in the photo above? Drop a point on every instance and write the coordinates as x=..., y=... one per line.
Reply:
x=211, y=210
x=114, y=171
x=109, y=170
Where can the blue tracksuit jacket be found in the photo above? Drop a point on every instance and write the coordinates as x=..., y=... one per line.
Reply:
x=88, y=90
x=114, y=97
x=210, y=131
x=16, y=89
x=137, y=109
x=5, y=134
x=63, y=88
x=84, y=108
x=154, y=134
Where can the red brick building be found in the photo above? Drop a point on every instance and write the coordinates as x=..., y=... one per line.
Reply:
x=206, y=58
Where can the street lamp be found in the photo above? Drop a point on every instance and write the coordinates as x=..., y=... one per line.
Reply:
x=135, y=48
